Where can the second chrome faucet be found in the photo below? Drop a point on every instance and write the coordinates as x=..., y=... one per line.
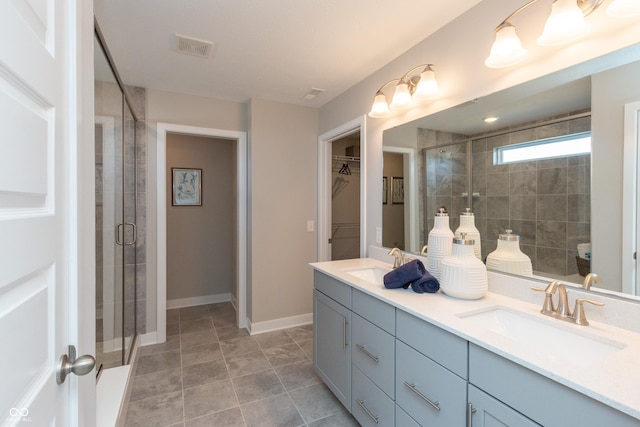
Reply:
x=562, y=311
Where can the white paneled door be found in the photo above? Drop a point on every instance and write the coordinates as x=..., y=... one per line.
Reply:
x=45, y=210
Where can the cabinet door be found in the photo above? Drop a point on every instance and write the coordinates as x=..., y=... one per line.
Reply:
x=489, y=412
x=332, y=346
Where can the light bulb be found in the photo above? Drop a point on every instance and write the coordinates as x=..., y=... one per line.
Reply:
x=380, y=108
x=564, y=24
x=401, y=97
x=427, y=86
x=507, y=49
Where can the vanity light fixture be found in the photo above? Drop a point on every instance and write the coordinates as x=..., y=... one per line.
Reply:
x=564, y=24
x=408, y=90
x=624, y=8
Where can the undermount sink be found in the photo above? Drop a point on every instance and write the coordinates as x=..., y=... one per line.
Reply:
x=556, y=341
x=370, y=274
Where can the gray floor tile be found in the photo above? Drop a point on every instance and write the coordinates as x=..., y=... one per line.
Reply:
x=248, y=363
x=257, y=386
x=228, y=333
x=273, y=411
x=201, y=354
x=315, y=402
x=220, y=321
x=307, y=347
x=163, y=410
x=204, y=373
x=173, y=316
x=228, y=418
x=194, y=313
x=195, y=325
x=207, y=336
x=285, y=354
x=273, y=339
x=209, y=398
x=240, y=345
x=156, y=383
x=158, y=362
x=172, y=343
x=173, y=329
x=301, y=333
x=297, y=375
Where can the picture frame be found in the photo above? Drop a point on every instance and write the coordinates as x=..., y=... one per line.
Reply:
x=384, y=190
x=187, y=187
x=397, y=190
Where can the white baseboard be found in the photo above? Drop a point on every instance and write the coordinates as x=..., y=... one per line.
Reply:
x=277, y=324
x=205, y=299
x=149, y=338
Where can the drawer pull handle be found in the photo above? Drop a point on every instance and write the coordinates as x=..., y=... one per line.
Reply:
x=344, y=334
x=365, y=409
x=413, y=388
x=369, y=355
x=470, y=411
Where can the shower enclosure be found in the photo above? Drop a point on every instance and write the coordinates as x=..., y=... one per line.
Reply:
x=116, y=234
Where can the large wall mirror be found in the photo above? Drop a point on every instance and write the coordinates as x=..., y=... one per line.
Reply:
x=451, y=159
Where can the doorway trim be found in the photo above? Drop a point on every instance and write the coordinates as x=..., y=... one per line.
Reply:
x=161, y=209
x=324, y=185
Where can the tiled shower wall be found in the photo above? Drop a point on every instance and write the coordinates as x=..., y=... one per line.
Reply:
x=546, y=202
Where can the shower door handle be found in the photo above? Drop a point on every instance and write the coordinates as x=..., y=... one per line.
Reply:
x=134, y=230
x=118, y=228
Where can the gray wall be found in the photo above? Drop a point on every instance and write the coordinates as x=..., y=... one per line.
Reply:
x=201, y=239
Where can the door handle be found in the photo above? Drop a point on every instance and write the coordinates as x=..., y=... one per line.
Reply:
x=134, y=231
x=70, y=364
x=118, y=228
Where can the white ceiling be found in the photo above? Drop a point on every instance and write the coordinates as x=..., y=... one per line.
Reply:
x=275, y=50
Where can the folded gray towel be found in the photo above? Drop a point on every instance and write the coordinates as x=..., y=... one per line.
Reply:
x=402, y=276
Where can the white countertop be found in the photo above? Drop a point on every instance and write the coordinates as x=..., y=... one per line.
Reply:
x=613, y=380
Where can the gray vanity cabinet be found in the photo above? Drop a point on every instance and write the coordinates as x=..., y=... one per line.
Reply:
x=332, y=335
x=489, y=412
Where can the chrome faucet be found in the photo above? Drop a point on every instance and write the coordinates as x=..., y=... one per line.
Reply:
x=398, y=257
x=562, y=311
x=590, y=279
x=423, y=251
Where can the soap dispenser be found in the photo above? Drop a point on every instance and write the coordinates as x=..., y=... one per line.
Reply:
x=468, y=226
x=462, y=275
x=508, y=257
x=439, y=242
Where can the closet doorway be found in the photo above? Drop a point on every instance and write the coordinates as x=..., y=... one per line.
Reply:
x=164, y=197
x=341, y=182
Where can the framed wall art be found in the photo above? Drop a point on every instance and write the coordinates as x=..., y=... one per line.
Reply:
x=397, y=190
x=187, y=187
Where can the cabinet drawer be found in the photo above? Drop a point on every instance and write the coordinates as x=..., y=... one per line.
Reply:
x=445, y=348
x=369, y=405
x=403, y=419
x=419, y=381
x=334, y=289
x=543, y=400
x=373, y=352
x=375, y=311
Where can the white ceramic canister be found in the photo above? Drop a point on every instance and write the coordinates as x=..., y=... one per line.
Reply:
x=508, y=257
x=468, y=226
x=439, y=242
x=462, y=275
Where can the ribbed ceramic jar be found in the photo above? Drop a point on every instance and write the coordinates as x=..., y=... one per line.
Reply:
x=468, y=226
x=462, y=275
x=508, y=257
x=439, y=241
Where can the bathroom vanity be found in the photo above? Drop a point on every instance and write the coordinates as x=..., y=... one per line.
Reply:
x=395, y=357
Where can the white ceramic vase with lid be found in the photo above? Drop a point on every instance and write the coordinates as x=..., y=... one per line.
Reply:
x=439, y=242
x=462, y=275
x=508, y=257
x=468, y=227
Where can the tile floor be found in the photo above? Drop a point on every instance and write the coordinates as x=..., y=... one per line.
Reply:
x=210, y=373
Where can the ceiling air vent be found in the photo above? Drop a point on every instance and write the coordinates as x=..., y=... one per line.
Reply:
x=195, y=47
